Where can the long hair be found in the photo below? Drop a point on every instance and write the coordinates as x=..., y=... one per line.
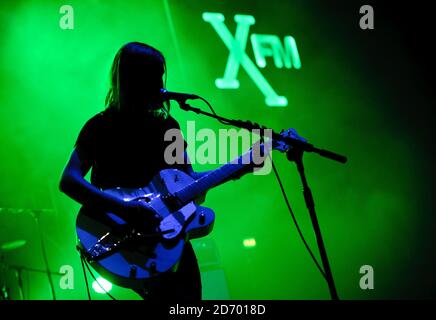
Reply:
x=136, y=78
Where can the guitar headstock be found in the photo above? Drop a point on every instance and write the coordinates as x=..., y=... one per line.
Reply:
x=288, y=133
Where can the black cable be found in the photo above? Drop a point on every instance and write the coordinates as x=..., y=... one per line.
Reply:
x=44, y=254
x=213, y=111
x=295, y=220
x=84, y=274
x=92, y=275
x=208, y=104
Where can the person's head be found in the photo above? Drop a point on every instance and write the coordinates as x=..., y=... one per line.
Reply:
x=136, y=79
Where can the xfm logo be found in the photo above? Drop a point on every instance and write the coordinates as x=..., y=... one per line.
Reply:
x=263, y=46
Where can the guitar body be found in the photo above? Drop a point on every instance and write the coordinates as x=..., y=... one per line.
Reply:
x=129, y=255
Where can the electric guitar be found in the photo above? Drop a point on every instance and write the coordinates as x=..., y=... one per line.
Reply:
x=129, y=255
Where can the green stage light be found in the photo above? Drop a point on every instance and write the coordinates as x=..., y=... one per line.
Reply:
x=101, y=285
x=249, y=243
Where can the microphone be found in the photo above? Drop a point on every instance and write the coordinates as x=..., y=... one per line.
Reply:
x=176, y=96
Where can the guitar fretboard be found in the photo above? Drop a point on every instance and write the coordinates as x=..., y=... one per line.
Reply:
x=217, y=176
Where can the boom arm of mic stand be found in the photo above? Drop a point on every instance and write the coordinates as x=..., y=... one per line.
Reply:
x=303, y=146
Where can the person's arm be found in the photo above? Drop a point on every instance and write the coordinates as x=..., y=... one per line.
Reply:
x=74, y=185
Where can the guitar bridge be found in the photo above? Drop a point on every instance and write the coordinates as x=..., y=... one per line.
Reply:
x=102, y=248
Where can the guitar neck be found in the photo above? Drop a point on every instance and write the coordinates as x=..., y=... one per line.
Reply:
x=217, y=176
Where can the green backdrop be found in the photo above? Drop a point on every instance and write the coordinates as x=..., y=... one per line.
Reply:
x=53, y=80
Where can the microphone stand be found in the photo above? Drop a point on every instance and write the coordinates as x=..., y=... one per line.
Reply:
x=294, y=154
x=18, y=271
x=35, y=214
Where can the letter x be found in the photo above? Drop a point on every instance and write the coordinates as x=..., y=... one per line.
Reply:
x=238, y=57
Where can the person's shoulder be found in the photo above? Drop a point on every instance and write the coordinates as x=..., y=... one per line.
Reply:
x=99, y=118
x=96, y=124
x=90, y=131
